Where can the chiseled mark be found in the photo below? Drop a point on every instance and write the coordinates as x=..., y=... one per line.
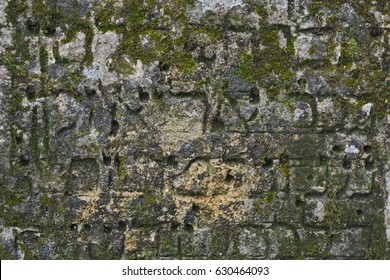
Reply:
x=387, y=208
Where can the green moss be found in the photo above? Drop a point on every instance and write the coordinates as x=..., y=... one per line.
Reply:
x=332, y=18
x=147, y=207
x=47, y=15
x=269, y=198
x=139, y=23
x=46, y=132
x=34, y=140
x=103, y=15
x=56, y=53
x=349, y=50
x=185, y=61
x=10, y=217
x=212, y=32
x=315, y=7
x=377, y=239
x=312, y=49
x=5, y=254
x=269, y=65
x=261, y=9
x=27, y=252
x=43, y=59
x=221, y=237
x=14, y=9
x=88, y=59
x=122, y=171
x=285, y=171
x=245, y=69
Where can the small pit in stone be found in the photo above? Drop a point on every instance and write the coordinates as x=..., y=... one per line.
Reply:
x=90, y=92
x=50, y=30
x=32, y=26
x=114, y=128
x=337, y=149
x=302, y=82
x=268, y=163
x=19, y=139
x=172, y=161
x=175, y=226
x=122, y=225
x=107, y=229
x=347, y=164
x=367, y=149
x=217, y=124
x=284, y=158
x=164, y=66
x=298, y=202
x=106, y=159
x=375, y=30
x=24, y=161
x=30, y=92
x=143, y=96
x=195, y=208
x=188, y=228
x=73, y=226
x=229, y=177
x=254, y=96
x=67, y=193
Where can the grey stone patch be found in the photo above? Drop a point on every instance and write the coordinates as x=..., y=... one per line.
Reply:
x=304, y=16
x=349, y=242
x=207, y=5
x=3, y=6
x=83, y=178
x=264, y=181
x=311, y=46
x=5, y=38
x=314, y=210
x=282, y=244
x=199, y=243
x=104, y=46
x=308, y=180
x=7, y=240
x=278, y=12
x=317, y=85
x=93, y=73
x=303, y=113
x=195, y=13
x=217, y=149
x=252, y=242
x=360, y=178
x=74, y=50
x=329, y=115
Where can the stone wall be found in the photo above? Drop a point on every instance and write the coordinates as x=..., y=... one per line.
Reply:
x=159, y=129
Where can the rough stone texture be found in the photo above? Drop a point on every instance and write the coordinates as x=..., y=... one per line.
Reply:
x=194, y=129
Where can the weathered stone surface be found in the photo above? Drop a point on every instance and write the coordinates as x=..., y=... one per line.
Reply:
x=237, y=129
x=252, y=242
